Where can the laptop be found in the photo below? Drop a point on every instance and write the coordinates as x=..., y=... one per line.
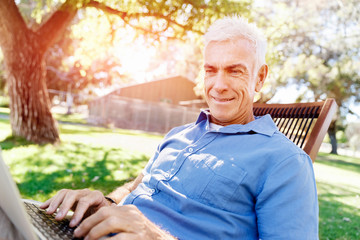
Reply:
x=32, y=222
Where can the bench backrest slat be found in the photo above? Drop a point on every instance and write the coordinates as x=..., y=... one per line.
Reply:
x=303, y=123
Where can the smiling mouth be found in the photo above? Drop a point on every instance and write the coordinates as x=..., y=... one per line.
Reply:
x=224, y=100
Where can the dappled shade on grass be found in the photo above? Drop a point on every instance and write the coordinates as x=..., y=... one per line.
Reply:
x=343, y=162
x=338, y=219
x=41, y=171
x=338, y=187
x=11, y=142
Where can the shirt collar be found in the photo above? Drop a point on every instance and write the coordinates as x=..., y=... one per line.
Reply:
x=262, y=125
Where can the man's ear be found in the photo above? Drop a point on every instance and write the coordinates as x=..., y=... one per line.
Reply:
x=261, y=76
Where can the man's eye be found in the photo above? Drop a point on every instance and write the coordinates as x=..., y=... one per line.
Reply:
x=236, y=72
x=207, y=71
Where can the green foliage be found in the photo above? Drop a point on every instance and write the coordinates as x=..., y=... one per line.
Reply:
x=341, y=137
x=316, y=46
x=168, y=18
x=34, y=11
x=191, y=16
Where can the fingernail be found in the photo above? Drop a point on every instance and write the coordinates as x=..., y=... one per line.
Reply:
x=59, y=214
x=72, y=223
x=76, y=232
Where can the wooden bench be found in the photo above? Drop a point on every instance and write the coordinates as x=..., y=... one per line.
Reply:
x=303, y=123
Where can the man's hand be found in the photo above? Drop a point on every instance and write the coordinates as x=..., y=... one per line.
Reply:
x=127, y=221
x=82, y=202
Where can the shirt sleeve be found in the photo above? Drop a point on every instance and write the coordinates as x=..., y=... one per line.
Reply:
x=287, y=205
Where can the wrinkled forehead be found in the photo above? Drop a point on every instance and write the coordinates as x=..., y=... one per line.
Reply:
x=222, y=54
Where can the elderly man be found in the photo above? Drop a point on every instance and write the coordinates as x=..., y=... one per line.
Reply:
x=229, y=175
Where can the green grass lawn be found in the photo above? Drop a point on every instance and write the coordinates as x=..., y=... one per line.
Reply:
x=91, y=157
x=100, y=158
x=338, y=183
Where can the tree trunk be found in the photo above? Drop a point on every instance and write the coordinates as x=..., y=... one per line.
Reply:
x=332, y=136
x=29, y=101
x=24, y=50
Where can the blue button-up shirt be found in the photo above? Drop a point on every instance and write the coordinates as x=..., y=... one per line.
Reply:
x=238, y=182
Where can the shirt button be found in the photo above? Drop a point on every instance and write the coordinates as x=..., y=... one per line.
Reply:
x=152, y=190
x=166, y=175
x=191, y=150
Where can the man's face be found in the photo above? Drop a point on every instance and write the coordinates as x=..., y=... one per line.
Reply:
x=230, y=81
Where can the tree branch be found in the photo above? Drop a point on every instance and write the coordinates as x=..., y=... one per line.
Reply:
x=106, y=8
x=126, y=17
x=54, y=27
x=11, y=24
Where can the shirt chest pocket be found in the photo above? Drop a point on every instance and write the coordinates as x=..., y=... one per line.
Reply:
x=222, y=186
x=215, y=182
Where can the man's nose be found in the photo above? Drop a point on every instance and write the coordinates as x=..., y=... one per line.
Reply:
x=220, y=82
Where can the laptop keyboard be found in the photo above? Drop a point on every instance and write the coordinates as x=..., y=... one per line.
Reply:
x=47, y=225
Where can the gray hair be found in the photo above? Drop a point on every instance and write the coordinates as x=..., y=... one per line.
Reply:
x=230, y=28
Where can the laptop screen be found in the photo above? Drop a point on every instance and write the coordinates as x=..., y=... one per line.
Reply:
x=11, y=204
